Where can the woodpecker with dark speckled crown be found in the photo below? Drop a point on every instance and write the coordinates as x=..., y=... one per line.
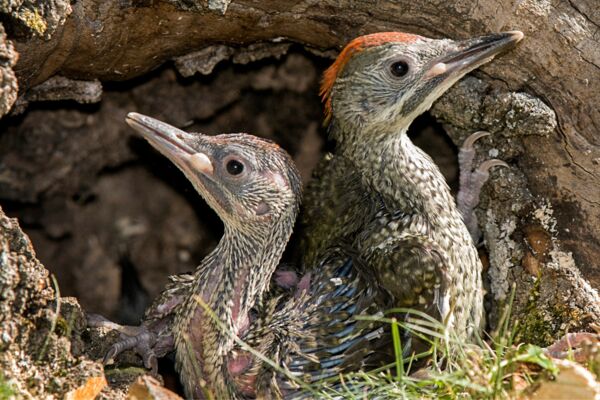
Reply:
x=254, y=187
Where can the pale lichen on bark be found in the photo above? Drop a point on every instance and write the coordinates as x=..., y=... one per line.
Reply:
x=8, y=81
x=509, y=211
x=41, y=351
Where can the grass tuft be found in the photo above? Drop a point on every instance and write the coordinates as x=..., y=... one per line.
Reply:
x=491, y=369
x=495, y=368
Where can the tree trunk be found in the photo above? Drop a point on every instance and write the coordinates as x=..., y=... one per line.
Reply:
x=540, y=217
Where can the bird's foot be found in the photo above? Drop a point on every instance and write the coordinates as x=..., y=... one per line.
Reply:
x=580, y=346
x=471, y=182
x=137, y=338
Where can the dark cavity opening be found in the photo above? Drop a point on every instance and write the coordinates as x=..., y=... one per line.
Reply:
x=112, y=218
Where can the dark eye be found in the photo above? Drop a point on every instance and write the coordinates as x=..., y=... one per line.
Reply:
x=399, y=68
x=234, y=167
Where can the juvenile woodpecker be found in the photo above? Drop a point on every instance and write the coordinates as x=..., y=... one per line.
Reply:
x=383, y=196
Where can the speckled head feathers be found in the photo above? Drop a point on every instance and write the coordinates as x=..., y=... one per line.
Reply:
x=355, y=46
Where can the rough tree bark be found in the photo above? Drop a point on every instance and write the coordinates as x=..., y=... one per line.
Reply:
x=540, y=217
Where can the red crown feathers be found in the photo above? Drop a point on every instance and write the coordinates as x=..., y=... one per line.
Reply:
x=355, y=46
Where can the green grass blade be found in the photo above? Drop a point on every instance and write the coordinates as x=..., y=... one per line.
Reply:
x=397, y=350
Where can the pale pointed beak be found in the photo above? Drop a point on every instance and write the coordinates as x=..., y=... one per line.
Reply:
x=171, y=142
x=472, y=53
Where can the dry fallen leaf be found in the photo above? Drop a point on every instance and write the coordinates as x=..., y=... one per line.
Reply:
x=88, y=391
x=148, y=388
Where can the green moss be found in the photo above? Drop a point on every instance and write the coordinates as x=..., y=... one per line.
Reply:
x=543, y=323
x=113, y=372
x=7, y=391
x=63, y=327
x=532, y=327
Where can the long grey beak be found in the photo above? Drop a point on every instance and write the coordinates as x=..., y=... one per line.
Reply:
x=171, y=142
x=472, y=53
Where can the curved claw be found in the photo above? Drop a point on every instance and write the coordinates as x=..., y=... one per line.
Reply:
x=470, y=141
x=110, y=355
x=487, y=165
x=119, y=347
x=137, y=338
x=142, y=344
x=151, y=362
x=479, y=177
x=471, y=181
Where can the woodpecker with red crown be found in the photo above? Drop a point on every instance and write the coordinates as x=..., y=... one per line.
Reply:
x=383, y=196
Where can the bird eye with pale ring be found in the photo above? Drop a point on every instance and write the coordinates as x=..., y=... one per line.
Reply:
x=399, y=68
x=234, y=167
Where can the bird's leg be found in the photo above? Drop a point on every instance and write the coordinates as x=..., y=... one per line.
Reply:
x=141, y=339
x=471, y=181
x=576, y=345
x=153, y=338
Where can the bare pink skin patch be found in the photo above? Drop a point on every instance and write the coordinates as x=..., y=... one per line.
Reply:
x=303, y=285
x=286, y=279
